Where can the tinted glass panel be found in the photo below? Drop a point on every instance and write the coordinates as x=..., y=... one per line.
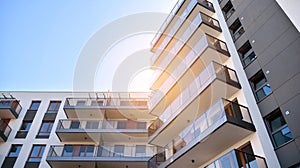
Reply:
x=15, y=150
x=35, y=105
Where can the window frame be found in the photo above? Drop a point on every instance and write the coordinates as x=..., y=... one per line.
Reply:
x=48, y=129
x=33, y=102
x=56, y=106
x=271, y=117
x=245, y=51
x=25, y=130
x=10, y=150
x=256, y=90
x=41, y=151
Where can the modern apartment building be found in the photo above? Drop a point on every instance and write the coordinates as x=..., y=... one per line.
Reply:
x=227, y=81
x=225, y=94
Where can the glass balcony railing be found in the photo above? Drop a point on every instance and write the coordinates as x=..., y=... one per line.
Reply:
x=239, y=159
x=229, y=75
x=212, y=71
x=100, y=124
x=11, y=104
x=4, y=130
x=238, y=33
x=85, y=152
x=98, y=103
x=221, y=110
x=156, y=160
x=177, y=24
x=196, y=22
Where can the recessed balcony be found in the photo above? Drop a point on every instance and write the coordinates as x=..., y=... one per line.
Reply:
x=110, y=107
x=4, y=131
x=201, y=23
x=209, y=134
x=102, y=130
x=174, y=21
x=239, y=159
x=9, y=108
x=86, y=156
x=205, y=50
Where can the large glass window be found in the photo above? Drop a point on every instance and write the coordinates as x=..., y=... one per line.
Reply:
x=119, y=150
x=35, y=105
x=25, y=125
x=14, y=150
x=228, y=10
x=247, y=54
x=236, y=29
x=36, y=153
x=260, y=86
x=278, y=128
x=45, y=129
x=53, y=106
x=140, y=150
x=83, y=151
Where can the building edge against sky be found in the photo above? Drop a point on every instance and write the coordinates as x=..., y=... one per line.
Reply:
x=228, y=95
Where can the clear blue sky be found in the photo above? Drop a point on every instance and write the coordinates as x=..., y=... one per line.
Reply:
x=41, y=40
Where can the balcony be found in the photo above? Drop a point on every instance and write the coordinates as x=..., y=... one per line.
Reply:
x=239, y=159
x=110, y=106
x=209, y=134
x=70, y=156
x=9, y=108
x=175, y=19
x=4, y=131
x=102, y=130
x=205, y=50
x=213, y=82
x=201, y=23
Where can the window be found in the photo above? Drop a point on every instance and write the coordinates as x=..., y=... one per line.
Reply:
x=119, y=150
x=140, y=150
x=36, y=153
x=247, y=54
x=92, y=125
x=53, y=107
x=80, y=103
x=25, y=126
x=260, y=86
x=14, y=150
x=278, y=128
x=83, y=151
x=121, y=125
x=228, y=10
x=97, y=103
x=75, y=125
x=236, y=29
x=86, y=151
x=35, y=105
x=141, y=125
x=45, y=129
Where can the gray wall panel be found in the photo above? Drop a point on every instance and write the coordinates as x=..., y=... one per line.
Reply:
x=293, y=117
x=267, y=105
x=288, y=90
x=286, y=39
x=270, y=32
x=288, y=156
x=284, y=66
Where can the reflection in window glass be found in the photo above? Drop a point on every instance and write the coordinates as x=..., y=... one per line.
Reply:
x=278, y=128
x=15, y=150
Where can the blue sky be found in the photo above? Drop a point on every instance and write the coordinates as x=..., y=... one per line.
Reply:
x=42, y=40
